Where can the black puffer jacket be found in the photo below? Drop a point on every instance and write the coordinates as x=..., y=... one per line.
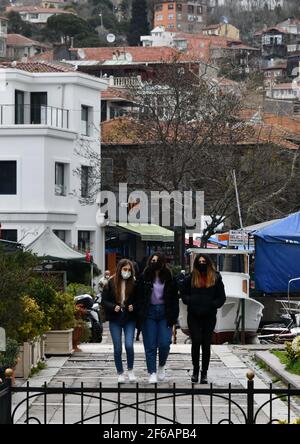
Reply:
x=171, y=298
x=109, y=303
x=203, y=301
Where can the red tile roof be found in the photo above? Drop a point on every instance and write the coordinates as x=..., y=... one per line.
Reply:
x=139, y=54
x=114, y=93
x=37, y=9
x=37, y=67
x=20, y=40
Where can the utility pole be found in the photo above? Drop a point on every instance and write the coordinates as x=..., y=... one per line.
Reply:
x=237, y=199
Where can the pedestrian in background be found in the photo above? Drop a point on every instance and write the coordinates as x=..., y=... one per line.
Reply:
x=158, y=309
x=119, y=302
x=103, y=281
x=203, y=293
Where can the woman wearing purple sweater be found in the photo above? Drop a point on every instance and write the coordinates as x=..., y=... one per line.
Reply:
x=157, y=311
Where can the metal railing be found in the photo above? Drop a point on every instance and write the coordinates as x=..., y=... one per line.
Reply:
x=124, y=82
x=34, y=115
x=138, y=404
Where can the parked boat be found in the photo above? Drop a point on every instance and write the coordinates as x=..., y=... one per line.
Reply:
x=240, y=316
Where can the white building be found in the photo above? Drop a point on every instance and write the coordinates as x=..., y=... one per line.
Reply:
x=36, y=14
x=159, y=37
x=248, y=5
x=47, y=113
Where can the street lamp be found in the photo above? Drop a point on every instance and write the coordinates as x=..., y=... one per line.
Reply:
x=101, y=19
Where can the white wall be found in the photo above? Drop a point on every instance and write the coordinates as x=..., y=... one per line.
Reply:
x=36, y=148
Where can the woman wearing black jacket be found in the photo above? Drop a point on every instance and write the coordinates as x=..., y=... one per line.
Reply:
x=158, y=309
x=119, y=302
x=203, y=293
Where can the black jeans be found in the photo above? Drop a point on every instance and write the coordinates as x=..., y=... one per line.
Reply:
x=201, y=330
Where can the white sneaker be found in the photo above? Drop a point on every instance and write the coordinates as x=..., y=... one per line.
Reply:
x=161, y=375
x=153, y=378
x=121, y=378
x=131, y=376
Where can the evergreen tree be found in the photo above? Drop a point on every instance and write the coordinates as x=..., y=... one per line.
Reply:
x=139, y=22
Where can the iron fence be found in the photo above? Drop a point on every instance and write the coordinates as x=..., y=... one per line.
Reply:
x=140, y=404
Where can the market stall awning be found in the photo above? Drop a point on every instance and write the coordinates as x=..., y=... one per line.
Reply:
x=49, y=246
x=148, y=232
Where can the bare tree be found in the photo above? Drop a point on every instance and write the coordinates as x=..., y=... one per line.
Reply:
x=190, y=137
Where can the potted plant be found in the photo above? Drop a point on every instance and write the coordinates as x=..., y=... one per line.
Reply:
x=62, y=321
x=9, y=358
x=32, y=325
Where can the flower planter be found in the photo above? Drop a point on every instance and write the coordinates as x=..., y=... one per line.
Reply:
x=77, y=333
x=59, y=342
x=24, y=364
x=38, y=353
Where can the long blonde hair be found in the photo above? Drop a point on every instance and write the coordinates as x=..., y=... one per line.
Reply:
x=208, y=279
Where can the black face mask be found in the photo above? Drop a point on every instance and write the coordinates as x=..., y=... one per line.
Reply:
x=155, y=266
x=202, y=268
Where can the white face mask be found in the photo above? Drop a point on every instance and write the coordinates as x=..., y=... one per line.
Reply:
x=126, y=274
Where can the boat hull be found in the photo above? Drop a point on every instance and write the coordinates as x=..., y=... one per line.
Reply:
x=229, y=319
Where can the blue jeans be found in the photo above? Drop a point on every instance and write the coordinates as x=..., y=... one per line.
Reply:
x=116, y=328
x=157, y=335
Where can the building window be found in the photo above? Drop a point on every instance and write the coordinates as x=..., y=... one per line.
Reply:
x=60, y=179
x=159, y=17
x=85, y=120
x=171, y=6
x=158, y=7
x=84, y=240
x=19, y=107
x=170, y=16
x=199, y=10
x=9, y=235
x=61, y=234
x=38, y=107
x=8, y=177
x=171, y=26
x=179, y=7
x=190, y=9
x=85, y=180
x=107, y=174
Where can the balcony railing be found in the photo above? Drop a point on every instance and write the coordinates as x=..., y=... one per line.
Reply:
x=124, y=82
x=34, y=115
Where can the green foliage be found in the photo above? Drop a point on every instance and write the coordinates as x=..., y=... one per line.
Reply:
x=68, y=25
x=17, y=26
x=40, y=366
x=33, y=320
x=288, y=358
x=139, y=22
x=16, y=271
x=62, y=312
x=77, y=289
x=8, y=359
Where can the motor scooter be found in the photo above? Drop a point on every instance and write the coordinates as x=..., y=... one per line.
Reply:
x=91, y=313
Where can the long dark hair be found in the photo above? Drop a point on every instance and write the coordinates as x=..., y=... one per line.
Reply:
x=207, y=279
x=117, y=280
x=164, y=273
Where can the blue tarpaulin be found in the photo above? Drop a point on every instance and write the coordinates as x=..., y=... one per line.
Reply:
x=277, y=255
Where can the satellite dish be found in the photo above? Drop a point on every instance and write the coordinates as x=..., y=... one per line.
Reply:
x=110, y=38
x=128, y=57
x=81, y=53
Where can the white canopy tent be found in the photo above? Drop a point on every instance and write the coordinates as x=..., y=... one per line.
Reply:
x=49, y=246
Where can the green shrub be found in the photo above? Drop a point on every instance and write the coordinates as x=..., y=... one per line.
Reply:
x=33, y=320
x=8, y=358
x=76, y=289
x=61, y=313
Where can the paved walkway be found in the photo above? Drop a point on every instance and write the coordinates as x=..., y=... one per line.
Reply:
x=94, y=364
